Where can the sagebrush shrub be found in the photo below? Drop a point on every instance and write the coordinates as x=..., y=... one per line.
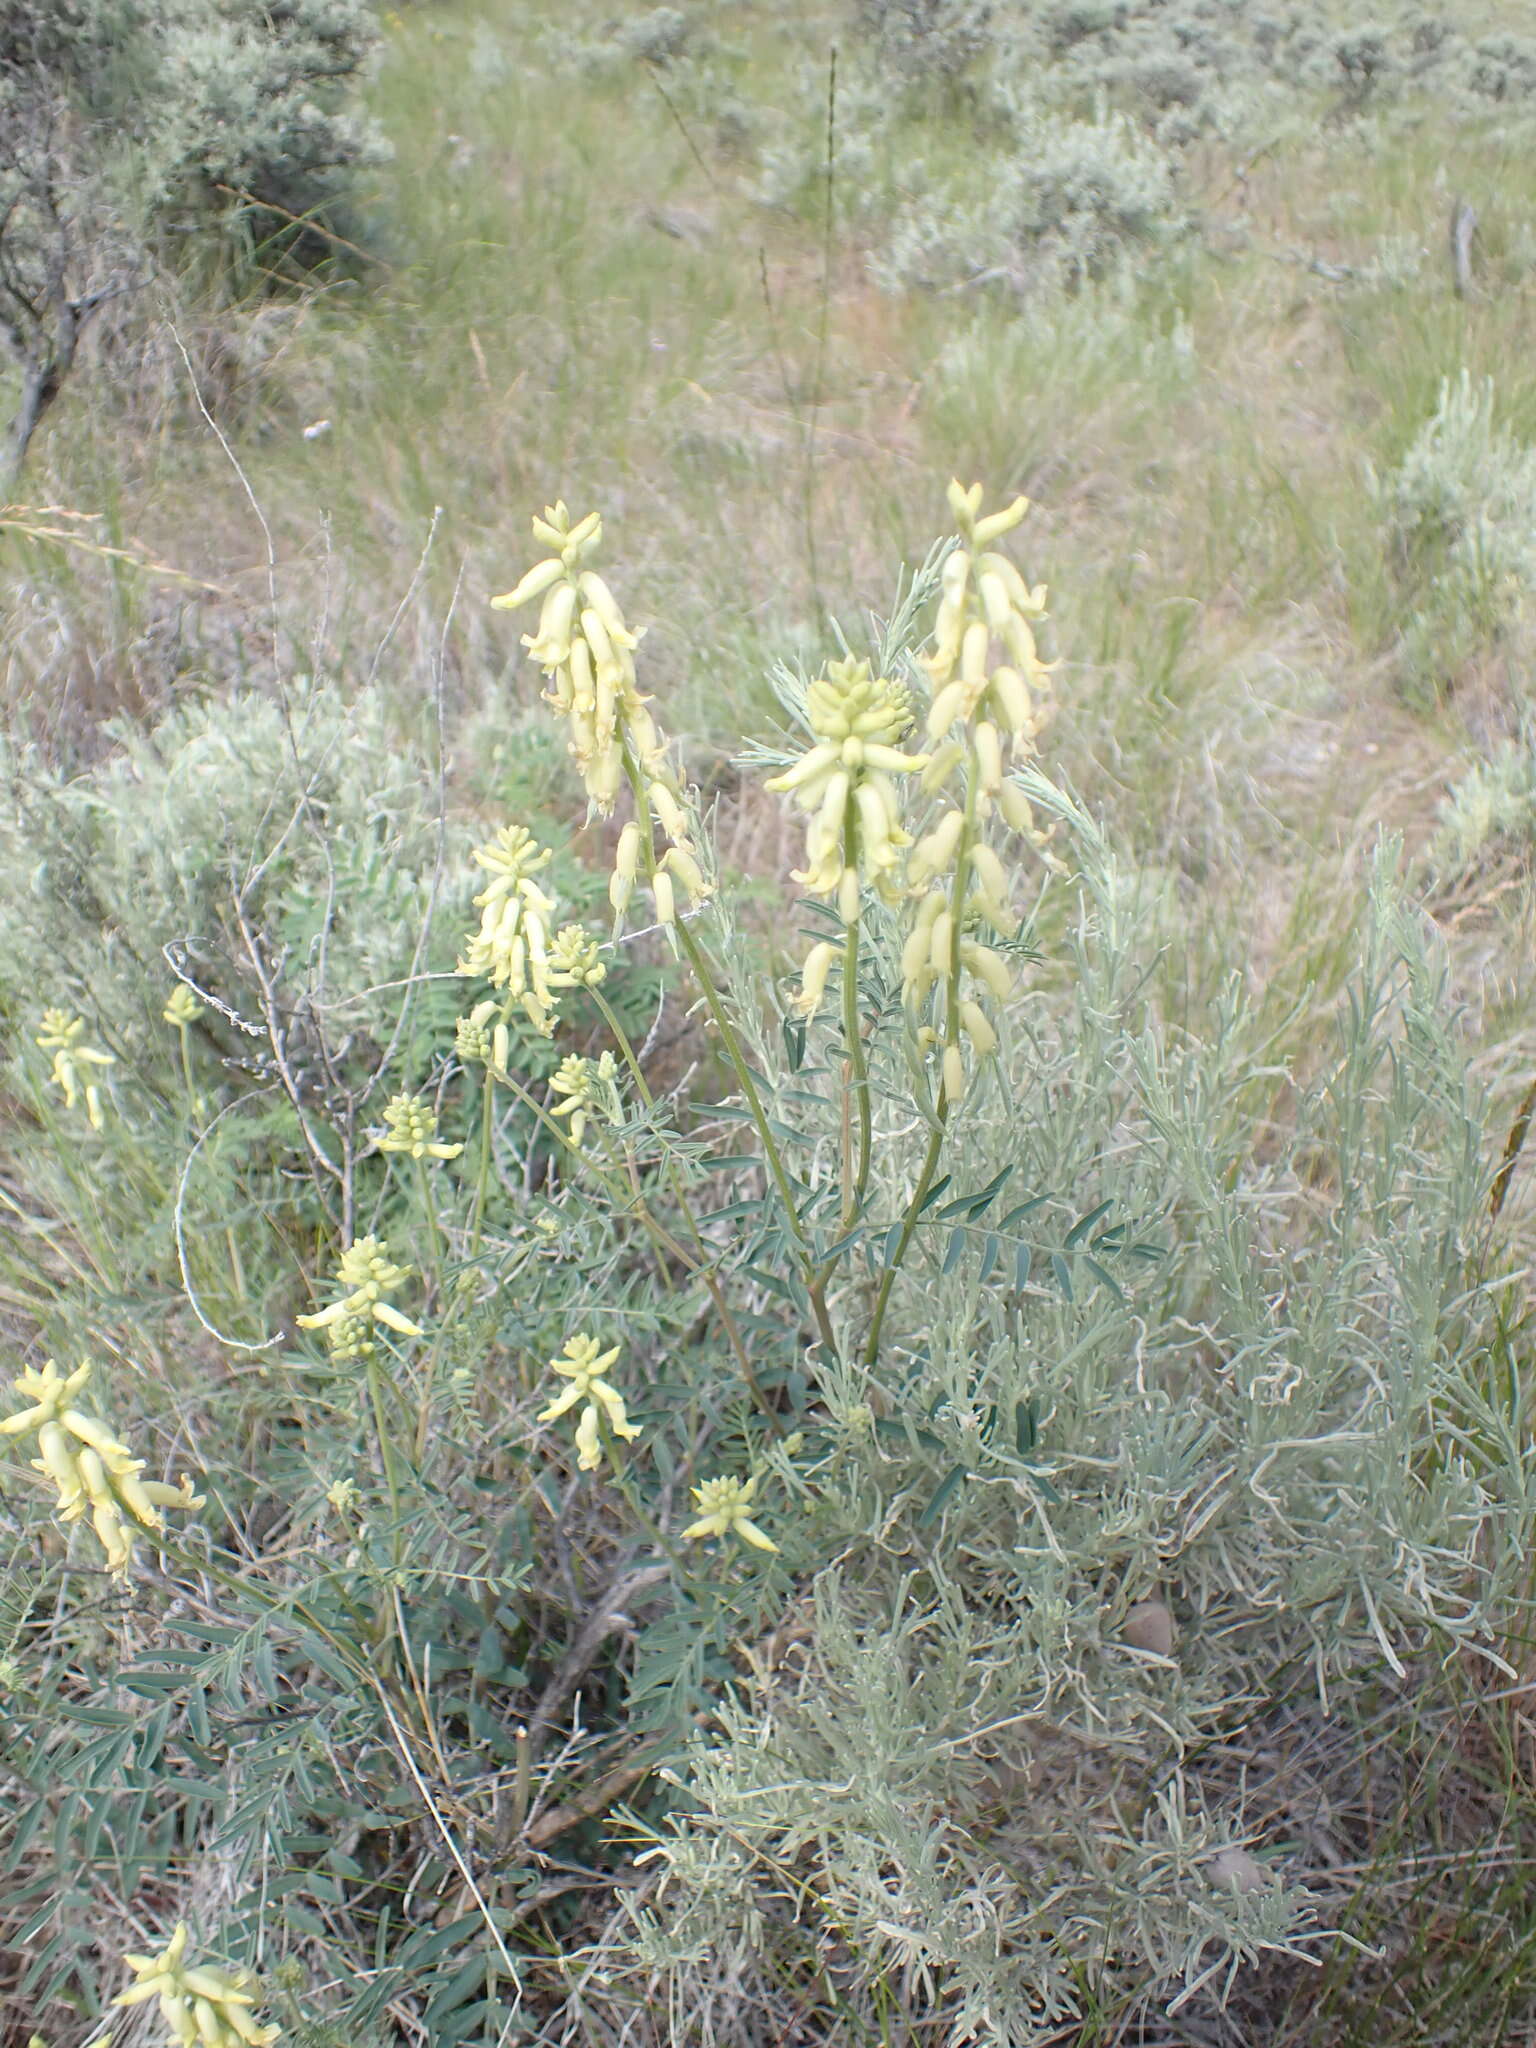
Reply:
x=1460, y=515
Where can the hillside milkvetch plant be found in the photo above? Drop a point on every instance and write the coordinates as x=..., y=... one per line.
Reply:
x=94, y=1473
x=75, y=1064
x=202, y=2007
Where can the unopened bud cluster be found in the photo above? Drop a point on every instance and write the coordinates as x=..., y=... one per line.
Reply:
x=587, y=652
x=511, y=948
x=93, y=1472
x=410, y=1126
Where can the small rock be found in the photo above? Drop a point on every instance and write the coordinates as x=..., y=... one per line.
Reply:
x=1149, y=1626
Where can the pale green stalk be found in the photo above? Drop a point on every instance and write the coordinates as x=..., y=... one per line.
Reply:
x=943, y=1106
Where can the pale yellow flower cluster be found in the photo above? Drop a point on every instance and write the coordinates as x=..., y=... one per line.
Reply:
x=182, y=1007
x=478, y=1042
x=203, y=2008
x=516, y=950
x=587, y=652
x=582, y=1086
x=725, y=1509
x=93, y=1472
x=410, y=1126
x=586, y=1369
x=73, y=1062
x=855, y=836
x=990, y=702
x=365, y=1275
x=511, y=948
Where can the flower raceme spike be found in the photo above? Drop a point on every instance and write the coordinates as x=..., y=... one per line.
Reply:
x=586, y=650
x=202, y=2007
x=511, y=948
x=845, y=782
x=990, y=703
x=93, y=1472
x=365, y=1275
x=411, y=1128
x=62, y=1035
x=585, y=1370
x=986, y=605
x=725, y=1509
x=587, y=653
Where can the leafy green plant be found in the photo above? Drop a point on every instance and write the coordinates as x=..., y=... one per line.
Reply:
x=785, y=1553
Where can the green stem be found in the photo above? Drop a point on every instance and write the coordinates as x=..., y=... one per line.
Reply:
x=705, y=1265
x=483, y=1174
x=429, y=1207
x=186, y=1068
x=743, y=1075
x=856, y=1078
x=386, y=1447
x=925, y=1179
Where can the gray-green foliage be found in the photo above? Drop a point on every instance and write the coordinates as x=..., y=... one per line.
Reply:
x=1086, y=112
x=1460, y=517
x=256, y=101
x=1490, y=813
x=145, y=134
x=303, y=824
x=915, y=1773
x=966, y=1784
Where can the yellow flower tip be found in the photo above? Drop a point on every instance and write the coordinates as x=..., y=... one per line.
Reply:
x=411, y=1128
x=725, y=1506
x=182, y=1007
x=538, y=579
